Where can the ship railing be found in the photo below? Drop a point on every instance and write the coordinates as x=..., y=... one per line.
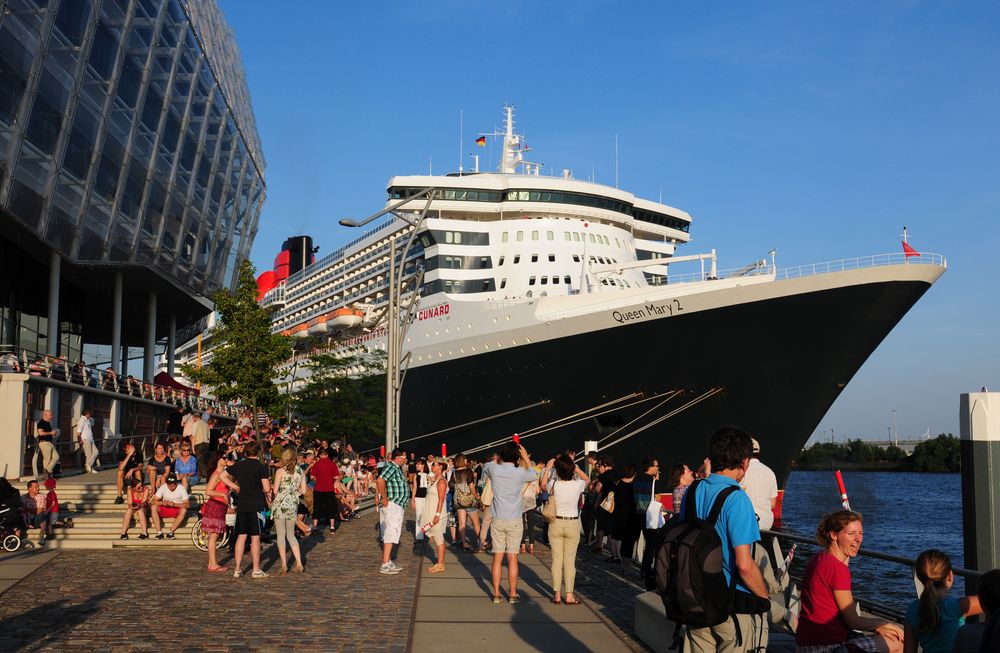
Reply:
x=869, y=605
x=338, y=254
x=813, y=269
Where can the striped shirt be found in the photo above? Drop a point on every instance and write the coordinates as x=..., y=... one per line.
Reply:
x=397, y=489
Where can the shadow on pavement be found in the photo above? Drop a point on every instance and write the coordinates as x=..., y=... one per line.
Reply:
x=32, y=629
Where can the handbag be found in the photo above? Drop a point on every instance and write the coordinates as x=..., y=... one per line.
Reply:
x=654, y=511
x=609, y=502
x=486, y=498
x=549, y=507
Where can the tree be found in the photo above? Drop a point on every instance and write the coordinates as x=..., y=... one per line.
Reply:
x=942, y=454
x=342, y=403
x=246, y=354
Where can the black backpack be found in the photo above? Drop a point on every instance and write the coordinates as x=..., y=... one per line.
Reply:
x=689, y=573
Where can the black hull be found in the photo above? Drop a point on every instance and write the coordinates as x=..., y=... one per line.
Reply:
x=782, y=363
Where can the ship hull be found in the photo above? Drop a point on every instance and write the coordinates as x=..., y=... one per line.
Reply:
x=778, y=364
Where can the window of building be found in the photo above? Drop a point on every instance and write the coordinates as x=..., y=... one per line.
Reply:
x=576, y=237
x=534, y=235
x=576, y=258
x=500, y=262
x=534, y=258
x=517, y=259
x=567, y=236
x=505, y=237
x=545, y=281
x=531, y=281
x=566, y=280
x=552, y=258
x=503, y=283
x=520, y=236
x=550, y=235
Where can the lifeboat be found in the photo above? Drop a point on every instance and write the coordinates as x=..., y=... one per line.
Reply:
x=345, y=318
x=317, y=326
x=298, y=331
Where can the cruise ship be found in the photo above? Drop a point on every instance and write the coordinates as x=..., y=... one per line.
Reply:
x=563, y=310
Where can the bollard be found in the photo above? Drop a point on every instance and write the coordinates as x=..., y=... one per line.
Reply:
x=979, y=418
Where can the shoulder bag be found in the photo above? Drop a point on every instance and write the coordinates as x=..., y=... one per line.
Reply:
x=609, y=502
x=654, y=511
x=549, y=507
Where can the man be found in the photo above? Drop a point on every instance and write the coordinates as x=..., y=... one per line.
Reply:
x=251, y=479
x=33, y=505
x=199, y=438
x=130, y=460
x=85, y=436
x=213, y=435
x=606, y=479
x=187, y=423
x=588, y=515
x=730, y=450
x=170, y=500
x=643, y=488
x=174, y=426
x=506, y=527
x=325, y=475
x=395, y=494
x=761, y=486
x=46, y=435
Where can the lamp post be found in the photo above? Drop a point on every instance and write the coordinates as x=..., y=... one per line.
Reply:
x=895, y=433
x=398, y=314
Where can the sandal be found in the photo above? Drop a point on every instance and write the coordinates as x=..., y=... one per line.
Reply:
x=435, y=569
x=573, y=602
x=497, y=599
x=514, y=599
x=557, y=601
x=218, y=569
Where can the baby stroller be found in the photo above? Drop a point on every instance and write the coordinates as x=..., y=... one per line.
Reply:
x=12, y=525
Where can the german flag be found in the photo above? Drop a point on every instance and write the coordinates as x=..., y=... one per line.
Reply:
x=481, y=141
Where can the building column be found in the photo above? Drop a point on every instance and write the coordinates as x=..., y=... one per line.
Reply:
x=52, y=344
x=13, y=400
x=149, y=358
x=171, y=344
x=124, y=371
x=116, y=324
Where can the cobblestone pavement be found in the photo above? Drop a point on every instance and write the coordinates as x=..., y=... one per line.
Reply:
x=609, y=589
x=151, y=600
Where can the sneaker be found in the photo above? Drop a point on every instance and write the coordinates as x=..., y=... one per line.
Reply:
x=260, y=573
x=143, y=536
x=119, y=500
x=170, y=535
x=94, y=471
x=395, y=566
x=159, y=535
x=123, y=536
x=88, y=470
x=237, y=573
x=388, y=568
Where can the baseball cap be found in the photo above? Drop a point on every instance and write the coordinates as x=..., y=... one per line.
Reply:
x=756, y=445
x=171, y=478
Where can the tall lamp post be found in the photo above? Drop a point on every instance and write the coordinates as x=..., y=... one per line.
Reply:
x=398, y=314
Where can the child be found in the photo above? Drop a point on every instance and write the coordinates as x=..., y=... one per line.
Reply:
x=933, y=620
x=974, y=638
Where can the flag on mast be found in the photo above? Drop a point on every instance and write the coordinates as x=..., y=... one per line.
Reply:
x=481, y=141
x=908, y=251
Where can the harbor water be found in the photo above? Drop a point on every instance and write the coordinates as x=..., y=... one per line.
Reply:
x=904, y=514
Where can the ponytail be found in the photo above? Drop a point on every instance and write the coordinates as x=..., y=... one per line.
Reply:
x=933, y=568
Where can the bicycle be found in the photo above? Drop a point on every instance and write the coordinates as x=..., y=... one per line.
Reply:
x=200, y=538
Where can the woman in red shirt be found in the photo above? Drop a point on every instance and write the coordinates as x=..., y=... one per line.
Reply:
x=829, y=611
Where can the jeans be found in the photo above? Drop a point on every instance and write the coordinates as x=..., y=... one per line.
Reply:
x=528, y=520
x=652, y=539
x=564, y=537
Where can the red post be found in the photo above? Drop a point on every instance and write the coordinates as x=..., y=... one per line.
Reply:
x=843, y=491
x=381, y=452
x=517, y=439
x=444, y=450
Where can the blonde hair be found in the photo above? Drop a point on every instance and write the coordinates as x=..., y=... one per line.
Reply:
x=289, y=459
x=458, y=461
x=932, y=569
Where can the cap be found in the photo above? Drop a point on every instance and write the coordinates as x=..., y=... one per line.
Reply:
x=171, y=478
x=756, y=445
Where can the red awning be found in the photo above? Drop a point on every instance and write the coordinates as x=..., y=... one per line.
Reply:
x=168, y=381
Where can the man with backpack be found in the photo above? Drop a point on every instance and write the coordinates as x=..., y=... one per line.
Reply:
x=724, y=611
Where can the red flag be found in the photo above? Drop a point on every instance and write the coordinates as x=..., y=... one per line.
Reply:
x=909, y=251
x=481, y=141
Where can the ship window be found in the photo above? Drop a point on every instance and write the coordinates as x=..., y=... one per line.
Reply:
x=576, y=237
x=531, y=281
x=534, y=235
x=550, y=235
x=534, y=258
x=606, y=241
x=566, y=280
x=552, y=258
x=545, y=281
x=505, y=237
x=592, y=239
x=576, y=258
x=503, y=283
x=501, y=261
x=517, y=259
x=567, y=235
x=520, y=236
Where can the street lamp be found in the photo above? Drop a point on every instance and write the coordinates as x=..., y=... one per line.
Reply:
x=397, y=314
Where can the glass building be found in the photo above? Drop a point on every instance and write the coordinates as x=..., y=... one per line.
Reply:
x=131, y=171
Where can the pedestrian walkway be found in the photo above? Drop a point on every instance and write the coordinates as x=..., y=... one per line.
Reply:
x=456, y=606
x=16, y=566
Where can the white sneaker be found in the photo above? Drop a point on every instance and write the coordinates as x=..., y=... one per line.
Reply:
x=94, y=471
x=388, y=568
x=395, y=566
x=87, y=470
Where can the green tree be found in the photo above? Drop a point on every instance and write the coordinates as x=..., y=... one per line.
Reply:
x=246, y=354
x=894, y=454
x=941, y=454
x=343, y=398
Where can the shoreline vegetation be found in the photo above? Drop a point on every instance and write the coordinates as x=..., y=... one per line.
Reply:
x=936, y=455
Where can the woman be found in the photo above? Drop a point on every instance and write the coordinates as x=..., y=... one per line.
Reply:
x=829, y=612
x=291, y=484
x=433, y=517
x=681, y=478
x=186, y=467
x=625, y=524
x=466, y=500
x=159, y=466
x=213, y=511
x=565, y=489
x=136, y=505
x=418, y=489
x=529, y=501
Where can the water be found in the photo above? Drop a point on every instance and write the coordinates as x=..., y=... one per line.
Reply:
x=904, y=513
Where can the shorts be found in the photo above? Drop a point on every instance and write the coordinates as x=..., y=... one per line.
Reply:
x=392, y=521
x=37, y=521
x=506, y=535
x=248, y=523
x=166, y=511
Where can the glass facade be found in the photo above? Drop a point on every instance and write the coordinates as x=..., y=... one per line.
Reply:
x=127, y=136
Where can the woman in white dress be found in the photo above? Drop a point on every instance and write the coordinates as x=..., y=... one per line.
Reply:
x=433, y=513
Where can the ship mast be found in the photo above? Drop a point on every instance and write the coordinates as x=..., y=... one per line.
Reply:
x=512, y=154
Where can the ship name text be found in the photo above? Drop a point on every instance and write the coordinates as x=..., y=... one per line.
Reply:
x=668, y=309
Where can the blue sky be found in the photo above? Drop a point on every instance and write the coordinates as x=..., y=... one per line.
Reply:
x=817, y=128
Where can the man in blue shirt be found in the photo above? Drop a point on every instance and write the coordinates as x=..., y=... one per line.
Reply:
x=730, y=450
x=506, y=528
